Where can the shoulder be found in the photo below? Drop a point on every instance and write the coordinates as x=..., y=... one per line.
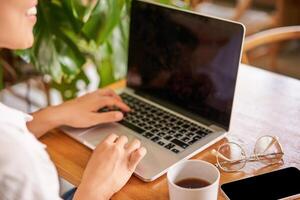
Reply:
x=15, y=139
x=18, y=145
x=13, y=117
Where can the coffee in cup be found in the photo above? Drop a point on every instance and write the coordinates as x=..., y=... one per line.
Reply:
x=193, y=180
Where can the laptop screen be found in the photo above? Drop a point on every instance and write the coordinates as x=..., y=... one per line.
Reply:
x=184, y=61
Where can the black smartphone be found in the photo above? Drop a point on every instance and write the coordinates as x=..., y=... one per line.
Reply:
x=280, y=184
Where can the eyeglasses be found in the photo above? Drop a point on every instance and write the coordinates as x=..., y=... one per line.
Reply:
x=231, y=157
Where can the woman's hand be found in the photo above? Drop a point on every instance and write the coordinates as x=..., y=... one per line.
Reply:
x=79, y=113
x=110, y=167
x=82, y=112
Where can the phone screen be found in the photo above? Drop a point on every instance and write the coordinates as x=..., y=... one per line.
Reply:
x=273, y=185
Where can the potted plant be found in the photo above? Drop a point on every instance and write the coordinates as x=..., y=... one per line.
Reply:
x=73, y=34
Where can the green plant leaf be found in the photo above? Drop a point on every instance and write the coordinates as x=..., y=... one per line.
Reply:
x=106, y=72
x=104, y=18
x=69, y=32
x=55, y=51
x=68, y=89
x=74, y=11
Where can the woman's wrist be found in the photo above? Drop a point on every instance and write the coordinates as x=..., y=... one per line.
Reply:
x=45, y=120
x=84, y=191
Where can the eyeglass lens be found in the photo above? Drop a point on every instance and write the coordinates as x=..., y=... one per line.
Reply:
x=268, y=150
x=234, y=157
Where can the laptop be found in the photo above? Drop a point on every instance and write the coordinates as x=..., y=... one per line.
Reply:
x=182, y=72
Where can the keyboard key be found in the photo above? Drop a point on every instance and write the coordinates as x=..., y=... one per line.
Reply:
x=161, y=134
x=169, y=125
x=105, y=109
x=203, y=134
x=134, y=121
x=151, y=122
x=168, y=137
x=179, y=123
x=190, y=134
x=132, y=127
x=155, y=139
x=148, y=128
x=192, y=141
x=165, y=129
x=172, y=119
x=156, y=118
x=158, y=126
x=166, y=116
x=148, y=135
x=179, y=143
x=185, y=126
x=197, y=137
x=150, y=116
x=175, y=150
x=143, y=113
x=185, y=139
x=161, y=143
x=193, y=129
x=171, y=132
x=183, y=131
x=146, y=120
x=141, y=124
x=155, y=130
x=169, y=146
x=161, y=113
x=163, y=121
x=200, y=132
x=153, y=110
x=178, y=135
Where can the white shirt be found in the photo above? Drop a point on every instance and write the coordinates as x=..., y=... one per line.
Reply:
x=26, y=171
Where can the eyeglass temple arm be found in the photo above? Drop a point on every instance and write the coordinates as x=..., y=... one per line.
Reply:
x=216, y=153
x=275, y=139
x=251, y=158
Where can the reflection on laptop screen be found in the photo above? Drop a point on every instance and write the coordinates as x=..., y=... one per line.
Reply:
x=184, y=60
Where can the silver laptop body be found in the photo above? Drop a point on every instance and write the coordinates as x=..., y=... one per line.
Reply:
x=222, y=44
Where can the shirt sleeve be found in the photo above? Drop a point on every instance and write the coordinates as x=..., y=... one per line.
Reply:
x=23, y=176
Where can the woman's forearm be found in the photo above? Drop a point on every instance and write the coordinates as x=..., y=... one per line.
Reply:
x=78, y=113
x=43, y=121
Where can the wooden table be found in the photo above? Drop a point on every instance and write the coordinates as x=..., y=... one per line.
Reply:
x=265, y=103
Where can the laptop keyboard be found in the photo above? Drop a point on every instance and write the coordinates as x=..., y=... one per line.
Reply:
x=161, y=127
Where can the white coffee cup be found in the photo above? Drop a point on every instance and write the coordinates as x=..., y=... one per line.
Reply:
x=193, y=169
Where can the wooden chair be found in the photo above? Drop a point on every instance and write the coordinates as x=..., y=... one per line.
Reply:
x=267, y=37
x=254, y=20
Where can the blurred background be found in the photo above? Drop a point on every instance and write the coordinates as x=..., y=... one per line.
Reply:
x=81, y=45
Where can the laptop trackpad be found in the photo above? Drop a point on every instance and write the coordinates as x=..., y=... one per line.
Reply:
x=95, y=135
x=154, y=163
